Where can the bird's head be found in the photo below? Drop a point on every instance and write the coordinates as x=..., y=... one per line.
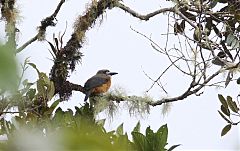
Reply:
x=107, y=72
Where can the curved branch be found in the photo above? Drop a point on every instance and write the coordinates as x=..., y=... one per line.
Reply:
x=143, y=17
x=150, y=15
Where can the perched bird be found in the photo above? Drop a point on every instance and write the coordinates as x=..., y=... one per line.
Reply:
x=99, y=83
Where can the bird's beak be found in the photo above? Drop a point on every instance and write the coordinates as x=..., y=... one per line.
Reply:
x=112, y=73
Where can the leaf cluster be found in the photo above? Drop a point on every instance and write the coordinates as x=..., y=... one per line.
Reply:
x=67, y=130
x=228, y=109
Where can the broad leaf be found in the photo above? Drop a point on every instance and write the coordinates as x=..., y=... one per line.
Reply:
x=50, y=90
x=151, y=137
x=55, y=104
x=197, y=34
x=232, y=105
x=141, y=142
x=137, y=127
x=226, y=129
x=225, y=110
x=162, y=135
x=31, y=93
x=34, y=66
x=222, y=100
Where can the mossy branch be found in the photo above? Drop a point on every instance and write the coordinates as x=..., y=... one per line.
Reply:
x=9, y=14
x=68, y=57
x=136, y=105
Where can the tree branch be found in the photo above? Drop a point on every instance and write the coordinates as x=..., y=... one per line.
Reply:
x=8, y=13
x=187, y=93
x=143, y=17
x=48, y=21
x=150, y=15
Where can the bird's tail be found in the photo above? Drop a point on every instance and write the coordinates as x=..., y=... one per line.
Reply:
x=87, y=96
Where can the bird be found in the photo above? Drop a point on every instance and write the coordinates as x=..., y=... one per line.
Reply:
x=98, y=84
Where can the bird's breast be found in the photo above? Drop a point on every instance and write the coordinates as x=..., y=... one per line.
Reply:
x=103, y=88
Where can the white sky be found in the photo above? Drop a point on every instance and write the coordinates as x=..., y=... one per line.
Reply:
x=193, y=122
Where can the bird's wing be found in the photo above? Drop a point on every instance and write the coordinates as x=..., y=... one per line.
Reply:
x=95, y=81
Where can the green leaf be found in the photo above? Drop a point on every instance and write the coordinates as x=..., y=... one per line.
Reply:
x=152, y=138
x=162, y=135
x=173, y=147
x=137, y=127
x=44, y=77
x=123, y=140
x=222, y=100
x=235, y=106
x=229, y=40
x=119, y=130
x=8, y=69
x=58, y=117
x=232, y=105
x=149, y=133
x=31, y=94
x=140, y=141
x=226, y=129
x=224, y=117
x=41, y=88
x=225, y=110
x=197, y=34
x=232, y=41
x=34, y=67
x=235, y=44
x=50, y=90
x=55, y=104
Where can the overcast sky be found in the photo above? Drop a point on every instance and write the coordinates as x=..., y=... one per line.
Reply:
x=193, y=122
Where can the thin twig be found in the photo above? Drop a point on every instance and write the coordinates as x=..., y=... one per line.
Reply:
x=154, y=81
x=187, y=93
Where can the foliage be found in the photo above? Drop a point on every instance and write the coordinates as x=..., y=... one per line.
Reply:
x=229, y=111
x=151, y=141
x=8, y=69
x=80, y=131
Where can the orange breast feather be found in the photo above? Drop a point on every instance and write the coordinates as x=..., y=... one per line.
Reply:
x=103, y=88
